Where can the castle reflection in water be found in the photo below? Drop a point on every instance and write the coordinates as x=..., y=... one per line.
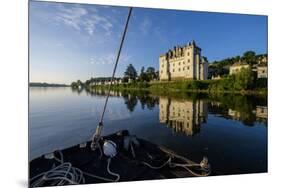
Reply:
x=186, y=115
x=182, y=115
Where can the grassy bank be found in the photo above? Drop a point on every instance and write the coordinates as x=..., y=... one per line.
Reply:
x=204, y=86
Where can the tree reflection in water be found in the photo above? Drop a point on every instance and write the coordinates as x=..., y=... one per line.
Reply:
x=185, y=112
x=147, y=101
x=244, y=108
x=131, y=101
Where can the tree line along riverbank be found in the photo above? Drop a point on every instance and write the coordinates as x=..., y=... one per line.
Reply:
x=244, y=82
x=203, y=86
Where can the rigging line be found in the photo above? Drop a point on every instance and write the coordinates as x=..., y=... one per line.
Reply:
x=115, y=66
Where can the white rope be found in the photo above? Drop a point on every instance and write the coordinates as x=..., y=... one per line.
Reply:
x=158, y=167
x=61, y=175
x=66, y=174
x=204, y=166
x=61, y=160
x=185, y=166
x=110, y=172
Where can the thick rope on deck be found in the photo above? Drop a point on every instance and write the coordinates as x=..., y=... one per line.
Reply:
x=66, y=174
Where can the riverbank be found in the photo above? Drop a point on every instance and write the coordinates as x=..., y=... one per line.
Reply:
x=204, y=86
x=38, y=84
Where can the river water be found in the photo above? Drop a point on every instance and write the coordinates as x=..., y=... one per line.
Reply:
x=231, y=130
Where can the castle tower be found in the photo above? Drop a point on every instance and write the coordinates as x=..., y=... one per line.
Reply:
x=183, y=63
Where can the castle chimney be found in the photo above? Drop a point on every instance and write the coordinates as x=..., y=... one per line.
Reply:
x=193, y=43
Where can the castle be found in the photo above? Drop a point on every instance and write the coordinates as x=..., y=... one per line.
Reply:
x=183, y=63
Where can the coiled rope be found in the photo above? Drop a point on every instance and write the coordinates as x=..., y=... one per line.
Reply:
x=66, y=174
x=63, y=174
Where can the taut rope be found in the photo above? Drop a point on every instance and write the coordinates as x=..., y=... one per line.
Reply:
x=97, y=135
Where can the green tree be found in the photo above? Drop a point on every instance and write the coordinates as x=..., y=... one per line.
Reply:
x=87, y=82
x=157, y=75
x=79, y=83
x=143, y=75
x=237, y=58
x=244, y=79
x=249, y=57
x=150, y=72
x=74, y=85
x=131, y=72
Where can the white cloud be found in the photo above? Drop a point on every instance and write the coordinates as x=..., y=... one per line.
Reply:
x=81, y=18
x=71, y=16
x=160, y=35
x=95, y=20
x=145, y=25
x=109, y=59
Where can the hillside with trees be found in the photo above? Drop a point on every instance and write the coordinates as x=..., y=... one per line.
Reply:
x=221, y=68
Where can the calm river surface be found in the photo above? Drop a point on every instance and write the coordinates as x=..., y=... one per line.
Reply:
x=230, y=130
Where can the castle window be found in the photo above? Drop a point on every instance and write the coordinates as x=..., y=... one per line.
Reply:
x=183, y=68
x=179, y=69
x=179, y=63
x=187, y=67
x=188, y=53
x=173, y=70
x=188, y=60
x=161, y=71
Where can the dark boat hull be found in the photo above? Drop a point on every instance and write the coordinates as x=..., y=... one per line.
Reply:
x=127, y=163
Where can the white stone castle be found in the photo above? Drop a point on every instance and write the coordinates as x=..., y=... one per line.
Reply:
x=183, y=63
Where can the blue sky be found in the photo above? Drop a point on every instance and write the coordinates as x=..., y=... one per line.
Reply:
x=76, y=41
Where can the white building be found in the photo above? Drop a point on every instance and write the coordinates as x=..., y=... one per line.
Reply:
x=236, y=67
x=183, y=63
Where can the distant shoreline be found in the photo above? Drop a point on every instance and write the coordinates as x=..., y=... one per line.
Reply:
x=36, y=84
